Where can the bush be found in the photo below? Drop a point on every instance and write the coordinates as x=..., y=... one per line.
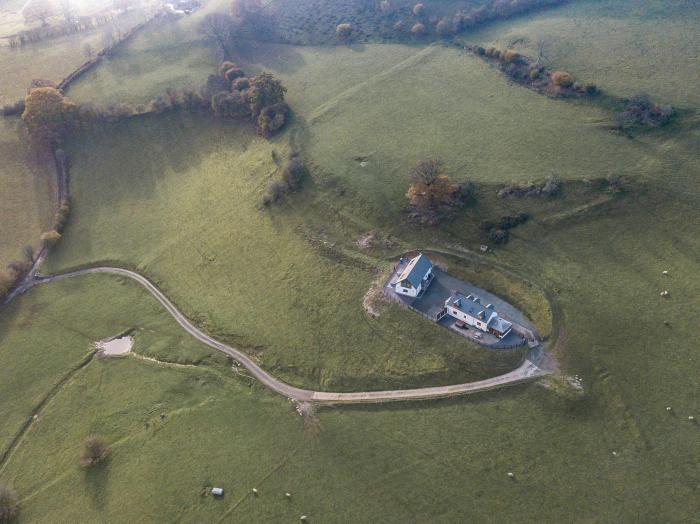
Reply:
x=535, y=74
x=94, y=452
x=562, y=79
x=241, y=84
x=230, y=105
x=419, y=10
x=9, y=504
x=293, y=173
x=265, y=91
x=272, y=119
x=498, y=236
x=49, y=238
x=225, y=66
x=511, y=56
x=233, y=73
x=443, y=27
x=432, y=196
x=418, y=29
x=343, y=30
x=591, y=89
x=215, y=84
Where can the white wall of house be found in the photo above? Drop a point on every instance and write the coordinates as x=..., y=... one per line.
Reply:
x=409, y=291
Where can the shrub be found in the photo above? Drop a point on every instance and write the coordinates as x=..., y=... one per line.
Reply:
x=443, y=27
x=241, y=84
x=562, y=79
x=9, y=504
x=230, y=105
x=225, y=66
x=490, y=51
x=265, y=91
x=13, y=109
x=272, y=119
x=535, y=74
x=233, y=73
x=49, y=238
x=419, y=10
x=343, y=30
x=640, y=110
x=418, y=29
x=274, y=194
x=498, y=236
x=432, y=195
x=215, y=84
x=94, y=452
x=591, y=89
x=293, y=173
x=511, y=56
x=480, y=51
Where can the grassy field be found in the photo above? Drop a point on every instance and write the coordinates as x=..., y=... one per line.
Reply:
x=51, y=59
x=178, y=197
x=277, y=279
x=624, y=46
x=439, y=101
x=169, y=55
x=26, y=206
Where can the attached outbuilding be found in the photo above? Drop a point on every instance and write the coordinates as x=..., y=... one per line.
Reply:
x=415, y=277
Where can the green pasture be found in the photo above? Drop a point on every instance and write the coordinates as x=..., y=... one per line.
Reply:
x=184, y=208
x=52, y=59
x=26, y=206
x=171, y=54
x=624, y=46
x=178, y=198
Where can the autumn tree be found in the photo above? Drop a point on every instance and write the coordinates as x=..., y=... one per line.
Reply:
x=94, y=452
x=48, y=114
x=432, y=195
x=9, y=504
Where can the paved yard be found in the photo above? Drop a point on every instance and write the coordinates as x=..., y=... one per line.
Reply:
x=433, y=300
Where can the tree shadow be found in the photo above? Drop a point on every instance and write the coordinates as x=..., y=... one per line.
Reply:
x=96, y=480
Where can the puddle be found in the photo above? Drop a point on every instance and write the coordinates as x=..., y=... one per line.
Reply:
x=115, y=347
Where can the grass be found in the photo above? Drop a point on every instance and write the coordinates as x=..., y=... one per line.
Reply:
x=51, y=59
x=170, y=55
x=277, y=282
x=26, y=205
x=623, y=46
x=182, y=207
x=442, y=102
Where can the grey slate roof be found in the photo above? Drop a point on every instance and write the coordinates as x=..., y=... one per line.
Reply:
x=415, y=270
x=473, y=307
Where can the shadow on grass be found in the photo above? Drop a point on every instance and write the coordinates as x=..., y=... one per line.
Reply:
x=96, y=482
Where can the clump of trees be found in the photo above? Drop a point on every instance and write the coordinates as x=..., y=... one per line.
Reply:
x=94, y=452
x=9, y=504
x=432, y=195
x=549, y=188
x=293, y=175
x=259, y=98
x=47, y=114
x=497, y=232
x=639, y=110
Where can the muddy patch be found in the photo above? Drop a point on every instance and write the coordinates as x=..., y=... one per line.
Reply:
x=114, y=347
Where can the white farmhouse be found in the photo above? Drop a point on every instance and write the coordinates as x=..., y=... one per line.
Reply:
x=415, y=277
x=470, y=311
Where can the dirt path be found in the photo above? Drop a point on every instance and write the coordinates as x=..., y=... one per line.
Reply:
x=528, y=370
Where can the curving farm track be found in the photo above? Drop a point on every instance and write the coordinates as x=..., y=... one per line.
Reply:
x=528, y=370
